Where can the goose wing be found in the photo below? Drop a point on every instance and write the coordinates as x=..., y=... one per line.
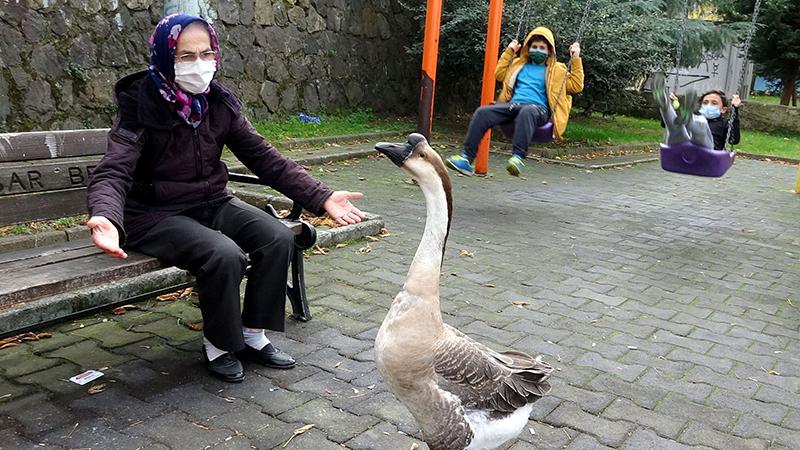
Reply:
x=484, y=378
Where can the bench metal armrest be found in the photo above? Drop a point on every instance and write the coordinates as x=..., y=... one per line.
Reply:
x=306, y=236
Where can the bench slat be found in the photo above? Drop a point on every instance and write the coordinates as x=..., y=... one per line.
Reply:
x=44, y=260
x=37, y=252
x=52, y=144
x=47, y=175
x=23, y=208
x=36, y=282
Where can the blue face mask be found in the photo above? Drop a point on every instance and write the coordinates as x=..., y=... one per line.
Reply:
x=710, y=112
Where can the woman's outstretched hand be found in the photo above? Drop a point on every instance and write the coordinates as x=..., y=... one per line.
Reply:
x=105, y=236
x=341, y=210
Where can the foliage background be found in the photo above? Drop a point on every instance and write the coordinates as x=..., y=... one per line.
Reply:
x=624, y=42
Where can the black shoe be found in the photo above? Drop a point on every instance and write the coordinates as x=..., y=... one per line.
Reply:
x=269, y=356
x=226, y=368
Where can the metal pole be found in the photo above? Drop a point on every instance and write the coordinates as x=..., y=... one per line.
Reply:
x=430, y=56
x=487, y=89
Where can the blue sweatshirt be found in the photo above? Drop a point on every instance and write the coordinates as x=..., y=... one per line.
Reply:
x=530, y=86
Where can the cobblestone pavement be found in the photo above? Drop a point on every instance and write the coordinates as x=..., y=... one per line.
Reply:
x=669, y=305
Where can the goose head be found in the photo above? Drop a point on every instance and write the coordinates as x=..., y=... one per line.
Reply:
x=417, y=159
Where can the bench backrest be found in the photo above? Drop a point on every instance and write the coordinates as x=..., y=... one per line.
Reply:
x=43, y=175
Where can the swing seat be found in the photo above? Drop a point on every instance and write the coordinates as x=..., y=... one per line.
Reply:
x=542, y=135
x=691, y=159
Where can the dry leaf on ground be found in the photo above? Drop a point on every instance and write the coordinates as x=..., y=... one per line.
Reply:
x=119, y=310
x=320, y=250
x=196, y=326
x=365, y=249
x=13, y=341
x=298, y=432
x=96, y=389
x=384, y=232
x=466, y=253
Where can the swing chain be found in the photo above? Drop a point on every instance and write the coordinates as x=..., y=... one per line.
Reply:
x=679, y=48
x=521, y=19
x=578, y=38
x=742, y=72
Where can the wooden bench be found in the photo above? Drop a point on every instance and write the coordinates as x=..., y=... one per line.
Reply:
x=43, y=176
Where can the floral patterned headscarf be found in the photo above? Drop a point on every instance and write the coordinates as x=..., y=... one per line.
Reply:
x=163, y=42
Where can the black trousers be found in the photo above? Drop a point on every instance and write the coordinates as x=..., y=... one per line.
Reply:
x=215, y=242
x=526, y=117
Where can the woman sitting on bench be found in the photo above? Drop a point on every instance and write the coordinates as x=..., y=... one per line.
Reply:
x=161, y=189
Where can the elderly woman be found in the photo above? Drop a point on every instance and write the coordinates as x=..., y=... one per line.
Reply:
x=160, y=189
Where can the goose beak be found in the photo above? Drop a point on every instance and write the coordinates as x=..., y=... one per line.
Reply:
x=398, y=153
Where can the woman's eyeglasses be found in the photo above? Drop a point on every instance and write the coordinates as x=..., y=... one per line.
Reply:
x=208, y=55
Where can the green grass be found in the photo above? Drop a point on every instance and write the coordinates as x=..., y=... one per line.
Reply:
x=42, y=226
x=765, y=99
x=360, y=121
x=784, y=145
x=597, y=130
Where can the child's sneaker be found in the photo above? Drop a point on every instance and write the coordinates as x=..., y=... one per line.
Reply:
x=515, y=165
x=685, y=113
x=460, y=164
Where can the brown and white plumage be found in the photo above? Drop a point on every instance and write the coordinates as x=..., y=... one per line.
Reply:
x=463, y=395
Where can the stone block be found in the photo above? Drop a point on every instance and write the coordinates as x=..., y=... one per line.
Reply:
x=608, y=432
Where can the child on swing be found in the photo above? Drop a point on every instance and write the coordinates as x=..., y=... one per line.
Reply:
x=707, y=129
x=530, y=97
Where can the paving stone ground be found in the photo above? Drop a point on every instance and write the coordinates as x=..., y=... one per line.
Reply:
x=667, y=303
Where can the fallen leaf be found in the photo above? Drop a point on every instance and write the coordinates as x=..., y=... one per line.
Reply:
x=414, y=446
x=8, y=345
x=384, y=232
x=361, y=179
x=298, y=432
x=337, y=364
x=196, y=326
x=200, y=425
x=489, y=285
x=373, y=238
x=365, y=249
x=520, y=303
x=96, y=388
x=320, y=250
x=341, y=245
x=466, y=253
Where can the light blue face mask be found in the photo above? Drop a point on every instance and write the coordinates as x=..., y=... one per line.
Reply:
x=710, y=112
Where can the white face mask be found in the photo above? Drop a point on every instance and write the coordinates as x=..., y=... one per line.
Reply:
x=194, y=77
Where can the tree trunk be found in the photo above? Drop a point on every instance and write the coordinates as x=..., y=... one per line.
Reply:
x=789, y=89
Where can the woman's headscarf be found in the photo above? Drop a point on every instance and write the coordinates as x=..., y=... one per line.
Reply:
x=163, y=42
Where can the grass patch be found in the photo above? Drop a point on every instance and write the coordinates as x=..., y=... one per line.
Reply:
x=42, y=226
x=765, y=99
x=359, y=121
x=597, y=130
x=784, y=145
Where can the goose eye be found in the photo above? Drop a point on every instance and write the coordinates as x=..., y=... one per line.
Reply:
x=421, y=154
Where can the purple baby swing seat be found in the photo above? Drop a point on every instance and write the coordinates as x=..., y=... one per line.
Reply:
x=691, y=159
x=542, y=135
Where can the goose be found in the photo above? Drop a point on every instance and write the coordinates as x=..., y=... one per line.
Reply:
x=462, y=394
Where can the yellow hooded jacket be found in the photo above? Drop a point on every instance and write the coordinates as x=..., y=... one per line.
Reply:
x=509, y=67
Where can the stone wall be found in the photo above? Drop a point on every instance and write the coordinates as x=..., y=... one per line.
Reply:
x=761, y=117
x=59, y=59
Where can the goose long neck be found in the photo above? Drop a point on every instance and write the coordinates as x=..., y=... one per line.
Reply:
x=423, y=275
